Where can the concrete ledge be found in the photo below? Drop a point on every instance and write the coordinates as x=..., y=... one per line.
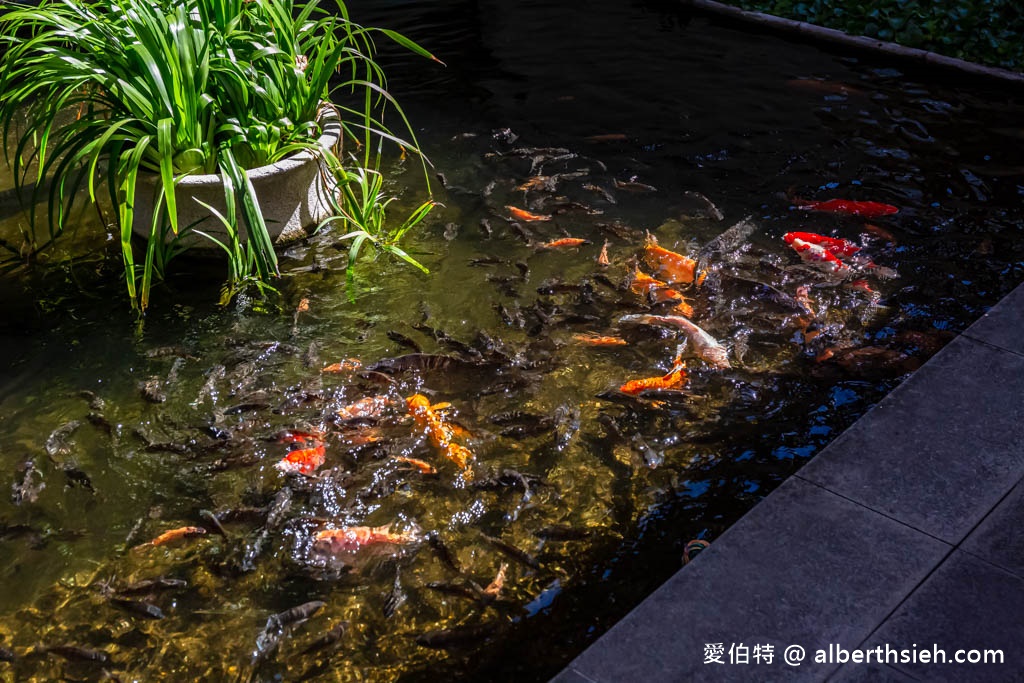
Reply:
x=905, y=531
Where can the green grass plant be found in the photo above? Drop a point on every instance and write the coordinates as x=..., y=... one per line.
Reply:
x=102, y=92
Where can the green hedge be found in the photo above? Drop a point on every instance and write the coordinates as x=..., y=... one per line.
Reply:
x=985, y=31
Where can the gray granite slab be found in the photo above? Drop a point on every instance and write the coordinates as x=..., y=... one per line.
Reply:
x=804, y=567
x=942, y=449
x=869, y=673
x=999, y=538
x=966, y=604
x=1003, y=323
x=568, y=675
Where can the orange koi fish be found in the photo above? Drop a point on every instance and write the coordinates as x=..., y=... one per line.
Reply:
x=819, y=256
x=524, y=215
x=645, y=285
x=602, y=258
x=352, y=538
x=671, y=266
x=440, y=432
x=175, y=535
x=564, y=243
x=371, y=406
x=850, y=207
x=423, y=466
x=674, y=379
x=303, y=305
x=836, y=245
x=591, y=339
x=347, y=365
x=302, y=461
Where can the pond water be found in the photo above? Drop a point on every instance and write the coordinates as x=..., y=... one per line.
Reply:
x=581, y=498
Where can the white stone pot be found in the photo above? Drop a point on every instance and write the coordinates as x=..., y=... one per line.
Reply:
x=292, y=195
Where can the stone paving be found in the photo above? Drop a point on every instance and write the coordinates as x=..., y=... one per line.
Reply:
x=907, y=531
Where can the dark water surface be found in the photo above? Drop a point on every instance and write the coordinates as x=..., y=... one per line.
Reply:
x=139, y=429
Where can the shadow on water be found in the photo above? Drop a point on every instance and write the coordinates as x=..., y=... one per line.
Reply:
x=614, y=120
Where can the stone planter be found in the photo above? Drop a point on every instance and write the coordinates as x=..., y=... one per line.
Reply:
x=292, y=195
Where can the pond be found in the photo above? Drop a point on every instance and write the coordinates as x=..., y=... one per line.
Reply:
x=578, y=498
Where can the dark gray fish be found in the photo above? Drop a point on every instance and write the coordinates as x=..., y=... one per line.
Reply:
x=311, y=358
x=396, y=597
x=100, y=421
x=7, y=654
x=512, y=552
x=57, y=443
x=279, y=507
x=459, y=590
x=28, y=483
x=451, y=231
x=95, y=402
x=294, y=615
x=424, y=362
x=167, y=351
x=247, y=407
x=487, y=261
x=139, y=607
x=443, y=552
x=485, y=228
x=327, y=639
x=212, y=518
x=509, y=478
x=403, y=341
x=151, y=391
x=151, y=585
x=209, y=389
x=77, y=477
x=78, y=653
x=708, y=205
x=727, y=241
x=561, y=533
x=461, y=636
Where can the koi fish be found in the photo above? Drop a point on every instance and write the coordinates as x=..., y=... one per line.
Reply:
x=175, y=535
x=525, y=215
x=633, y=186
x=674, y=379
x=607, y=137
x=591, y=339
x=850, y=207
x=645, y=285
x=836, y=245
x=602, y=258
x=347, y=365
x=706, y=347
x=371, y=406
x=303, y=305
x=298, y=436
x=564, y=243
x=803, y=297
x=819, y=256
x=863, y=286
x=670, y=265
x=440, y=432
x=353, y=538
x=493, y=589
x=302, y=461
x=537, y=182
x=421, y=465
x=880, y=233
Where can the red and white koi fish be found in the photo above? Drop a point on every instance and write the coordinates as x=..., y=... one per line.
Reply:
x=836, y=245
x=302, y=461
x=819, y=256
